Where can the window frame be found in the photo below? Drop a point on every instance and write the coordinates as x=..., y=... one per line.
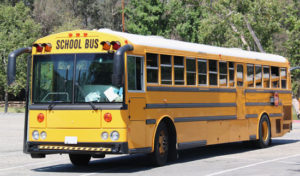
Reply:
x=143, y=82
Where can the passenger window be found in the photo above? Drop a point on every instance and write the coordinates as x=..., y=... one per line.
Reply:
x=258, y=76
x=135, y=73
x=223, y=73
x=275, y=77
x=152, y=68
x=250, y=75
x=166, y=69
x=213, y=72
x=202, y=71
x=283, y=78
x=178, y=70
x=240, y=75
x=231, y=74
x=190, y=71
x=266, y=77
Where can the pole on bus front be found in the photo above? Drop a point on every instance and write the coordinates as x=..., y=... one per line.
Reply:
x=123, y=18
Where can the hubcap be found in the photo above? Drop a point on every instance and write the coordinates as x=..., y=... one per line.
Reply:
x=163, y=143
x=265, y=131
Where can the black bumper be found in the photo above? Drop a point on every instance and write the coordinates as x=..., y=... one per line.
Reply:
x=80, y=148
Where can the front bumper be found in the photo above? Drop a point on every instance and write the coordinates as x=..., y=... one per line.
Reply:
x=80, y=148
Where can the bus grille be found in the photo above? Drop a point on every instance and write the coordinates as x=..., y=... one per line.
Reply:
x=287, y=110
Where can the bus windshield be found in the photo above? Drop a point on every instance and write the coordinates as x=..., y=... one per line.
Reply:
x=74, y=78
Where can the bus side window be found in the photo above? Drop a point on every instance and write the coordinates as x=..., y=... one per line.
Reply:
x=223, y=73
x=135, y=73
x=240, y=75
x=213, y=72
x=152, y=68
x=275, y=77
x=283, y=78
x=166, y=69
x=231, y=74
x=266, y=77
x=179, y=70
x=250, y=75
x=258, y=76
x=190, y=71
x=202, y=71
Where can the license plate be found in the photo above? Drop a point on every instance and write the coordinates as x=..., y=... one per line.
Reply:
x=70, y=139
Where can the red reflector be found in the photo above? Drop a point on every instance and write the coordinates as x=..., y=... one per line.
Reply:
x=39, y=47
x=40, y=117
x=106, y=45
x=126, y=41
x=107, y=117
x=77, y=35
x=70, y=34
x=116, y=45
x=85, y=34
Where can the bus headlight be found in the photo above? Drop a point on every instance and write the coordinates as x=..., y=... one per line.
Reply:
x=104, y=135
x=114, y=135
x=43, y=135
x=35, y=135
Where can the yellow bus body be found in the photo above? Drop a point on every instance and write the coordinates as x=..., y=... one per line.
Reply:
x=191, y=109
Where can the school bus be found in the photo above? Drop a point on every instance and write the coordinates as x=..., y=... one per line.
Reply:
x=92, y=93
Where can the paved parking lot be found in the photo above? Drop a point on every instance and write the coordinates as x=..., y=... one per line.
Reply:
x=282, y=158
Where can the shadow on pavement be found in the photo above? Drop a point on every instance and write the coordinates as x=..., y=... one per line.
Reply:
x=140, y=162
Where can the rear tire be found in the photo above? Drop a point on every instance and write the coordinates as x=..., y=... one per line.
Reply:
x=161, y=145
x=264, y=132
x=80, y=159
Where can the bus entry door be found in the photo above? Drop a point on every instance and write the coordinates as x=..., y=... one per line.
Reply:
x=137, y=124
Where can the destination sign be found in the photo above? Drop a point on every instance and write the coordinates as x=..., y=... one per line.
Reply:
x=77, y=44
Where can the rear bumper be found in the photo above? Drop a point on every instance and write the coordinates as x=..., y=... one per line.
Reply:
x=80, y=148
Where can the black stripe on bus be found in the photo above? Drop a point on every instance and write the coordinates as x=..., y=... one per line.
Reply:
x=204, y=118
x=78, y=107
x=261, y=104
x=267, y=91
x=275, y=115
x=188, y=145
x=251, y=116
x=188, y=89
x=150, y=121
x=189, y=105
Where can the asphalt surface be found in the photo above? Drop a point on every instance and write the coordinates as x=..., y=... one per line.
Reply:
x=282, y=158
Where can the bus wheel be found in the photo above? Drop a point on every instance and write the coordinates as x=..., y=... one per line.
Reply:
x=264, y=132
x=80, y=159
x=161, y=145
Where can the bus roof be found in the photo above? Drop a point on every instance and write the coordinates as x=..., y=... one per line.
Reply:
x=161, y=42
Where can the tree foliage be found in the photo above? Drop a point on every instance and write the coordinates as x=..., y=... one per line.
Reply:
x=17, y=29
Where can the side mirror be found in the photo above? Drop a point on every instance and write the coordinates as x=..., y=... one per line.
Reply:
x=11, y=66
x=118, y=67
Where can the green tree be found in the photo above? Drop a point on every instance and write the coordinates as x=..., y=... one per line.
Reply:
x=17, y=29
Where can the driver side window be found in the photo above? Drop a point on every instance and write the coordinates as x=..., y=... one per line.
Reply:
x=135, y=73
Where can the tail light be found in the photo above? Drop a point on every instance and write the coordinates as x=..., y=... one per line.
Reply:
x=108, y=117
x=40, y=117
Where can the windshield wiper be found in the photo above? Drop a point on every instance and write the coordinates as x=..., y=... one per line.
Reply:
x=82, y=92
x=93, y=105
x=51, y=105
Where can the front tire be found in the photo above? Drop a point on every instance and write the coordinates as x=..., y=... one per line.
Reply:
x=161, y=145
x=80, y=159
x=264, y=132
